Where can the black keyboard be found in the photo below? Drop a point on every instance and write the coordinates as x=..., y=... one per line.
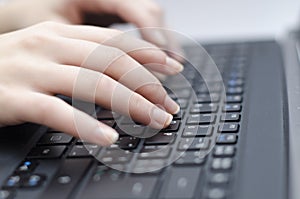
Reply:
x=195, y=157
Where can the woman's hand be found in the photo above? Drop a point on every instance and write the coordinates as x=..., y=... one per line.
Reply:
x=41, y=61
x=142, y=13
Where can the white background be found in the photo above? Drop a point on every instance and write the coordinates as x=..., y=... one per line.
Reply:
x=221, y=19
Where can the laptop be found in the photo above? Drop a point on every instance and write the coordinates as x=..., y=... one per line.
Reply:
x=236, y=142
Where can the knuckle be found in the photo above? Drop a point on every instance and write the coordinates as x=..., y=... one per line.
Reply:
x=36, y=40
x=155, y=9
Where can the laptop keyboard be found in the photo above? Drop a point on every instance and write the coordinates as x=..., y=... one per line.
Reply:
x=195, y=157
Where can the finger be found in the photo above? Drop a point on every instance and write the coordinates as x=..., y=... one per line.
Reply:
x=55, y=113
x=142, y=51
x=96, y=87
x=118, y=65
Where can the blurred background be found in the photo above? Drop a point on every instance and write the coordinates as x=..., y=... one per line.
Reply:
x=232, y=19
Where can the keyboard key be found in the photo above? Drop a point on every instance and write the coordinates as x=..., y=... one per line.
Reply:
x=236, y=82
x=116, y=157
x=34, y=180
x=154, y=152
x=204, y=108
x=190, y=158
x=27, y=166
x=130, y=130
x=201, y=119
x=230, y=117
x=55, y=139
x=234, y=90
x=197, y=131
x=216, y=193
x=224, y=151
x=182, y=93
x=110, y=123
x=181, y=183
x=107, y=115
x=68, y=176
x=229, y=127
x=227, y=139
x=193, y=144
x=183, y=103
x=7, y=194
x=234, y=99
x=46, y=152
x=221, y=164
x=128, y=143
x=161, y=139
x=179, y=115
x=133, y=187
x=219, y=178
x=13, y=181
x=84, y=151
x=151, y=166
x=232, y=108
x=173, y=127
x=206, y=98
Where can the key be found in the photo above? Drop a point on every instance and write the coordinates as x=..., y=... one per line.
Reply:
x=26, y=166
x=235, y=82
x=181, y=183
x=55, y=139
x=204, y=108
x=190, y=158
x=234, y=91
x=216, y=193
x=161, y=139
x=116, y=157
x=107, y=115
x=133, y=187
x=84, y=151
x=154, y=152
x=178, y=116
x=128, y=143
x=197, y=131
x=193, y=144
x=46, y=152
x=149, y=166
x=224, y=151
x=67, y=177
x=7, y=194
x=232, y=108
x=110, y=123
x=233, y=99
x=206, y=98
x=229, y=128
x=201, y=119
x=130, y=130
x=227, y=139
x=183, y=103
x=230, y=117
x=219, y=178
x=173, y=127
x=183, y=93
x=221, y=164
x=34, y=180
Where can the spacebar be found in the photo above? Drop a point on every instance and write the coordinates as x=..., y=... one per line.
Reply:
x=66, y=178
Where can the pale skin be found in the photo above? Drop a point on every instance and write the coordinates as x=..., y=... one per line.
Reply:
x=43, y=60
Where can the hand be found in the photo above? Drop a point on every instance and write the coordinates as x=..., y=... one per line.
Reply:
x=142, y=13
x=41, y=61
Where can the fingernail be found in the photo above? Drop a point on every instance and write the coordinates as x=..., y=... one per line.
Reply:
x=171, y=105
x=159, y=38
x=174, y=64
x=110, y=135
x=160, y=118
